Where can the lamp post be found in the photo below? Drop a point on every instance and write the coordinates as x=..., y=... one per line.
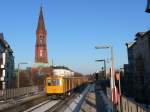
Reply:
x=104, y=66
x=112, y=60
x=148, y=7
x=112, y=81
x=18, y=84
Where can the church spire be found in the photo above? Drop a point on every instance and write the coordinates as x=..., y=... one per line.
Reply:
x=41, y=47
x=41, y=25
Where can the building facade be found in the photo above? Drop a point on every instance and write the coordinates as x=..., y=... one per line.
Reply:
x=62, y=71
x=6, y=64
x=139, y=67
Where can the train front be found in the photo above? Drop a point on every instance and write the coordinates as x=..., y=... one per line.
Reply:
x=54, y=86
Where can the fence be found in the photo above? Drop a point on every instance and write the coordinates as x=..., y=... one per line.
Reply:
x=19, y=92
x=129, y=105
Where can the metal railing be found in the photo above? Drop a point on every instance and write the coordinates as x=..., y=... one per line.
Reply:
x=19, y=92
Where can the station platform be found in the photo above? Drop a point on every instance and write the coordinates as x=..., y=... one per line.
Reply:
x=96, y=100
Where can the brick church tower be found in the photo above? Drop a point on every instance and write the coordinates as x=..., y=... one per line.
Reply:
x=41, y=67
x=40, y=47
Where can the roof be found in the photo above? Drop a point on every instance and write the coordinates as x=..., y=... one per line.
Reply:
x=62, y=67
x=41, y=25
x=42, y=65
x=4, y=43
x=130, y=44
x=139, y=35
x=142, y=34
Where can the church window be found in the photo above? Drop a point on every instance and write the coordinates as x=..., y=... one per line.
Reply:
x=41, y=40
x=41, y=53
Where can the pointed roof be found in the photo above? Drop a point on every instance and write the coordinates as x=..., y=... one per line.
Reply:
x=41, y=25
x=4, y=43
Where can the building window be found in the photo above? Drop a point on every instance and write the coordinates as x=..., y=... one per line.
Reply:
x=41, y=40
x=41, y=53
x=1, y=73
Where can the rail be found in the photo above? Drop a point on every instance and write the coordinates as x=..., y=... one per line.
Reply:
x=19, y=92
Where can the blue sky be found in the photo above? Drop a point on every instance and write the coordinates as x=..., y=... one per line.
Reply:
x=74, y=27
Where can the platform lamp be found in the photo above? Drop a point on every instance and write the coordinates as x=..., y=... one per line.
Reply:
x=112, y=60
x=104, y=65
x=148, y=7
x=112, y=81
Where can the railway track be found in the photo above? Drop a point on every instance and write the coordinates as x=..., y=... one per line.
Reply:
x=56, y=105
x=62, y=104
x=23, y=105
x=51, y=105
x=44, y=106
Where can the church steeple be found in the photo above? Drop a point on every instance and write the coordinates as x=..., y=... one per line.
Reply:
x=41, y=25
x=41, y=47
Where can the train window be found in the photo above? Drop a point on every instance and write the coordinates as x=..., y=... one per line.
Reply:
x=53, y=82
x=49, y=82
x=57, y=82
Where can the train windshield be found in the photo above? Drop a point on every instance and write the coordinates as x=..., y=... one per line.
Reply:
x=53, y=82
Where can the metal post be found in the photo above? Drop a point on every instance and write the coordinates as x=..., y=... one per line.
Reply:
x=52, y=63
x=105, y=69
x=18, y=80
x=112, y=71
x=18, y=76
x=120, y=92
x=112, y=76
x=112, y=81
x=120, y=95
x=104, y=66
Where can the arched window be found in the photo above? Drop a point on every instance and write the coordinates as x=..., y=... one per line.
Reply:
x=41, y=40
x=41, y=53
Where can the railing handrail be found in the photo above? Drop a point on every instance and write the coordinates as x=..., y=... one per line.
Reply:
x=18, y=92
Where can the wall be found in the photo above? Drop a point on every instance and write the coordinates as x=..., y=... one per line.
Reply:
x=128, y=105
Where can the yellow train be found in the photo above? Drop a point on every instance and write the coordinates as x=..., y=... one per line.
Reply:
x=62, y=86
